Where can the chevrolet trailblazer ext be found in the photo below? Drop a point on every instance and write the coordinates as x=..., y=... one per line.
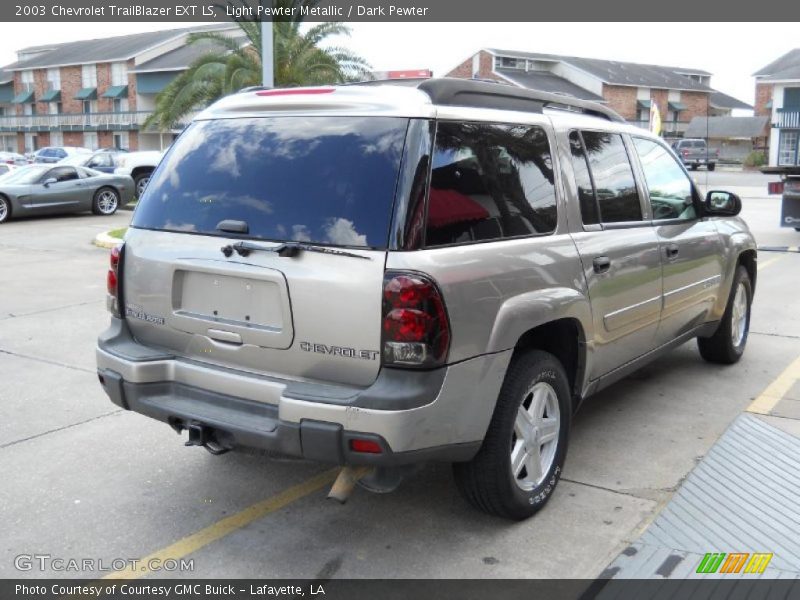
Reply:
x=438, y=270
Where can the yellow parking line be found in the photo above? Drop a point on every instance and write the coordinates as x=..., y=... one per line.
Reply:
x=770, y=262
x=776, y=390
x=223, y=527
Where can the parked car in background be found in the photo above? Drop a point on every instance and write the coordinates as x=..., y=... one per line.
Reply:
x=103, y=161
x=393, y=275
x=694, y=152
x=13, y=158
x=54, y=154
x=139, y=166
x=113, y=150
x=41, y=189
x=6, y=168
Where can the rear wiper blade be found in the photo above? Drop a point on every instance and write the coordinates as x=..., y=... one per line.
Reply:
x=287, y=249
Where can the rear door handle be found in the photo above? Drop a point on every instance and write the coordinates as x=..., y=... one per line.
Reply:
x=671, y=251
x=601, y=264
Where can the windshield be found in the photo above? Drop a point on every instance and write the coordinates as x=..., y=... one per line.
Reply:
x=25, y=175
x=327, y=180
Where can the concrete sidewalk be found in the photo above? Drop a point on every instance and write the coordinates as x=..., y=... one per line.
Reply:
x=742, y=498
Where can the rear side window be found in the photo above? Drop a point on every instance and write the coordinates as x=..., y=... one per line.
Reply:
x=326, y=180
x=613, y=184
x=489, y=181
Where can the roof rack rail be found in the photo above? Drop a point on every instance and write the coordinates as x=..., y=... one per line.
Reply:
x=497, y=94
x=468, y=92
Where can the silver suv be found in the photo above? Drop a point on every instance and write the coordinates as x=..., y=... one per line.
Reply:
x=387, y=274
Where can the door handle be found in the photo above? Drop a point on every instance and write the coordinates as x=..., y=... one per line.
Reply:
x=601, y=264
x=671, y=251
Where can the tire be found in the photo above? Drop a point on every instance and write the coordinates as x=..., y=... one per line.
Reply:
x=693, y=167
x=712, y=166
x=105, y=202
x=534, y=378
x=140, y=182
x=5, y=209
x=727, y=344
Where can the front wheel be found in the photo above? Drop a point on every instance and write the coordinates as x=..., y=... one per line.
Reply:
x=106, y=201
x=727, y=344
x=522, y=456
x=712, y=166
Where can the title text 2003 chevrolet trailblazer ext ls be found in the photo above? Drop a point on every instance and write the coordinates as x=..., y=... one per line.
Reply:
x=440, y=270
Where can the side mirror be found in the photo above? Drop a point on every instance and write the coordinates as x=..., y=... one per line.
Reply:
x=49, y=181
x=723, y=204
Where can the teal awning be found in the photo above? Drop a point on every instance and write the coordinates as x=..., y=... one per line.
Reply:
x=644, y=103
x=116, y=91
x=23, y=98
x=676, y=106
x=86, y=94
x=51, y=96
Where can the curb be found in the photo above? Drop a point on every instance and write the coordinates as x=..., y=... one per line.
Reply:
x=103, y=240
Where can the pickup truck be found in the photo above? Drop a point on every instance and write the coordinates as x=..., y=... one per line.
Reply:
x=694, y=152
x=139, y=166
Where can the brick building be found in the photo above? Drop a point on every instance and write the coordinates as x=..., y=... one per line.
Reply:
x=778, y=99
x=93, y=93
x=629, y=88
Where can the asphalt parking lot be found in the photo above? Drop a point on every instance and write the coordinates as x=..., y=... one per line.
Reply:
x=83, y=479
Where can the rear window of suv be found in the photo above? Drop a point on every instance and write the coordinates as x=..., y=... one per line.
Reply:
x=325, y=180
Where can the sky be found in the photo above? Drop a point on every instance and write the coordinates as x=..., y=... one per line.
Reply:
x=730, y=51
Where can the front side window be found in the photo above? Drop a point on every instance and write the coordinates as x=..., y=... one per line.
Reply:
x=61, y=174
x=490, y=181
x=612, y=176
x=669, y=188
x=326, y=180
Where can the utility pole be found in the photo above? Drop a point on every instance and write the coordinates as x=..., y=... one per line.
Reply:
x=267, y=51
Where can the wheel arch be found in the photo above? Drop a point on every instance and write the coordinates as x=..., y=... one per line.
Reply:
x=565, y=339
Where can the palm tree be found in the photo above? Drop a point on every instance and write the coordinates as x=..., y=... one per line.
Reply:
x=233, y=63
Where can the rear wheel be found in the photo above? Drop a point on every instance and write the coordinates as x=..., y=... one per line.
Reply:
x=140, y=182
x=5, y=209
x=693, y=167
x=106, y=201
x=727, y=344
x=522, y=456
x=712, y=166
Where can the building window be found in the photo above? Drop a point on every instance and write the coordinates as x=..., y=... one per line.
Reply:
x=89, y=106
x=120, y=105
x=121, y=140
x=787, y=148
x=119, y=73
x=90, y=140
x=54, y=108
x=504, y=62
x=89, y=76
x=29, y=109
x=26, y=78
x=53, y=79
x=56, y=138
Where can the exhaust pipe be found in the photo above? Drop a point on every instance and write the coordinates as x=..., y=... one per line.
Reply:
x=345, y=482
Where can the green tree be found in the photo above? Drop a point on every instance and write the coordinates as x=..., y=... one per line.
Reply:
x=233, y=63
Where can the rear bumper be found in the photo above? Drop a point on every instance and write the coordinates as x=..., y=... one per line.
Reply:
x=412, y=415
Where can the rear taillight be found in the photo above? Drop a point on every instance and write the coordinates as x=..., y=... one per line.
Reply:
x=416, y=332
x=685, y=152
x=112, y=279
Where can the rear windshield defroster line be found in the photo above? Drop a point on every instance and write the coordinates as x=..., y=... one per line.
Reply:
x=324, y=180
